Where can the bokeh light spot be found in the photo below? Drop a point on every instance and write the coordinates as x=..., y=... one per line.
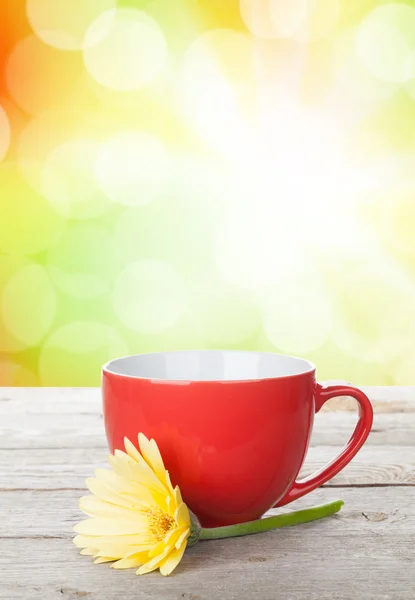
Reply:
x=29, y=304
x=195, y=193
x=319, y=21
x=303, y=20
x=69, y=182
x=297, y=316
x=218, y=88
x=132, y=167
x=255, y=245
x=28, y=222
x=354, y=91
x=375, y=308
x=130, y=55
x=81, y=263
x=40, y=77
x=272, y=18
x=4, y=133
x=223, y=314
x=74, y=354
x=64, y=24
x=386, y=41
x=149, y=296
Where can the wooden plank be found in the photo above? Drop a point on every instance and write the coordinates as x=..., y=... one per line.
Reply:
x=366, y=551
x=61, y=468
x=383, y=398
x=390, y=429
x=40, y=400
x=52, y=513
x=67, y=418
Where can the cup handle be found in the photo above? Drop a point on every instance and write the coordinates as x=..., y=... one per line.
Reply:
x=358, y=438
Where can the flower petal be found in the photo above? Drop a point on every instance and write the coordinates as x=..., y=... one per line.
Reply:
x=83, y=541
x=122, y=486
x=152, y=564
x=129, y=543
x=108, y=527
x=182, y=538
x=147, y=569
x=104, y=559
x=177, y=495
x=88, y=552
x=172, y=560
x=135, y=560
x=139, y=473
x=100, y=490
x=95, y=507
x=152, y=456
x=132, y=450
x=122, y=550
x=168, y=482
x=166, y=544
x=182, y=516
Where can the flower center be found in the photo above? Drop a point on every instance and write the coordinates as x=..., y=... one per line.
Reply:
x=159, y=523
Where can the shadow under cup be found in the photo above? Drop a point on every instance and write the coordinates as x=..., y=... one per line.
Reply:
x=233, y=427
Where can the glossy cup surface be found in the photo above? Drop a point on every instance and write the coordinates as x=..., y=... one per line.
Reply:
x=232, y=427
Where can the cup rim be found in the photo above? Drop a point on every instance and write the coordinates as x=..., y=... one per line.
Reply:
x=105, y=368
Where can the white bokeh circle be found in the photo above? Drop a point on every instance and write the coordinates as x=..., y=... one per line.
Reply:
x=149, y=296
x=223, y=314
x=81, y=262
x=69, y=182
x=132, y=167
x=217, y=88
x=319, y=21
x=125, y=49
x=63, y=25
x=386, y=41
x=354, y=91
x=297, y=316
x=29, y=304
x=255, y=246
x=74, y=353
x=374, y=312
x=302, y=20
x=4, y=133
x=273, y=18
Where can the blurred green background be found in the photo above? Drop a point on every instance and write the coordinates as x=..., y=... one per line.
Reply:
x=207, y=174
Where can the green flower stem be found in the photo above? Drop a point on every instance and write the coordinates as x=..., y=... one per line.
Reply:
x=284, y=520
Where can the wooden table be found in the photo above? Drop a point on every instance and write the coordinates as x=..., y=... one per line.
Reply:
x=52, y=439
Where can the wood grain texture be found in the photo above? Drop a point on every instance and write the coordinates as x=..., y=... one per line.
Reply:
x=366, y=551
x=52, y=439
x=52, y=513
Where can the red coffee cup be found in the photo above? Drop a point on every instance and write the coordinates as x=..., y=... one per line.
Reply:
x=233, y=427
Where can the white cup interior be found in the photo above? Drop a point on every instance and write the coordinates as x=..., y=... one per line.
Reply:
x=208, y=365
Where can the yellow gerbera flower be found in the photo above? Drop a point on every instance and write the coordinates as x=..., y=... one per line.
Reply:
x=138, y=518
